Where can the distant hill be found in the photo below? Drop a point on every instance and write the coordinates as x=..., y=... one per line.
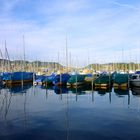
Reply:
x=114, y=66
x=29, y=66
x=55, y=66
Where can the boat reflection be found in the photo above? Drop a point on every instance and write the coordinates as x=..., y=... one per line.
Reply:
x=77, y=90
x=19, y=88
x=7, y=99
x=60, y=90
x=120, y=92
x=135, y=91
x=103, y=91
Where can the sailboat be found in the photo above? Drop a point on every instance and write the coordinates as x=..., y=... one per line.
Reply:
x=62, y=78
x=103, y=81
x=17, y=77
x=121, y=80
x=76, y=80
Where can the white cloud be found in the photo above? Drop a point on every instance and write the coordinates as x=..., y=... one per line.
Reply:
x=124, y=5
x=101, y=32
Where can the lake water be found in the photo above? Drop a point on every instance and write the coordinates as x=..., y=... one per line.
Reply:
x=37, y=113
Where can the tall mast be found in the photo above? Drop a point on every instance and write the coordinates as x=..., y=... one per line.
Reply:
x=66, y=54
x=23, y=53
x=58, y=69
x=7, y=58
x=123, y=65
x=2, y=64
x=22, y=76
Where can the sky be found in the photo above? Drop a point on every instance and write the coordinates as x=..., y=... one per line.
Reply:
x=94, y=31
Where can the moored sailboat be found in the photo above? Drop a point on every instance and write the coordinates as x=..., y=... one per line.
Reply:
x=17, y=77
x=121, y=80
x=61, y=79
x=76, y=80
x=103, y=81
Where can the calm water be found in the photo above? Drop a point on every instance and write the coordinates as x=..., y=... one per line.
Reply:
x=76, y=114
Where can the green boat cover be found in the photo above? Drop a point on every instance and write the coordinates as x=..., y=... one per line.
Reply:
x=103, y=79
x=121, y=78
x=76, y=78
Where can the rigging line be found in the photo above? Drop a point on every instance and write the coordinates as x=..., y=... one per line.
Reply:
x=7, y=57
x=2, y=63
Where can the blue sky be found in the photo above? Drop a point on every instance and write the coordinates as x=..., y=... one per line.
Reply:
x=97, y=30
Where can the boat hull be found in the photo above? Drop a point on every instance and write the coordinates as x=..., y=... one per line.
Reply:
x=135, y=90
x=61, y=79
x=120, y=86
x=75, y=84
x=135, y=82
x=17, y=78
x=8, y=82
x=102, y=85
x=121, y=81
x=103, y=81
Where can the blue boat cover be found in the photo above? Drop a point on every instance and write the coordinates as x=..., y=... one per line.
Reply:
x=137, y=72
x=17, y=76
x=64, y=78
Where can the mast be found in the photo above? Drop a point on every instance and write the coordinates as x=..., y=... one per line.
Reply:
x=123, y=64
x=67, y=111
x=23, y=53
x=2, y=63
x=59, y=69
x=66, y=54
x=7, y=58
x=23, y=67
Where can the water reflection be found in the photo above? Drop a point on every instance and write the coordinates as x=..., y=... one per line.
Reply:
x=82, y=113
x=8, y=100
x=120, y=92
x=60, y=90
x=103, y=91
x=123, y=92
x=78, y=90
x=5, y=103
x=19, y=88
x=135, y=91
